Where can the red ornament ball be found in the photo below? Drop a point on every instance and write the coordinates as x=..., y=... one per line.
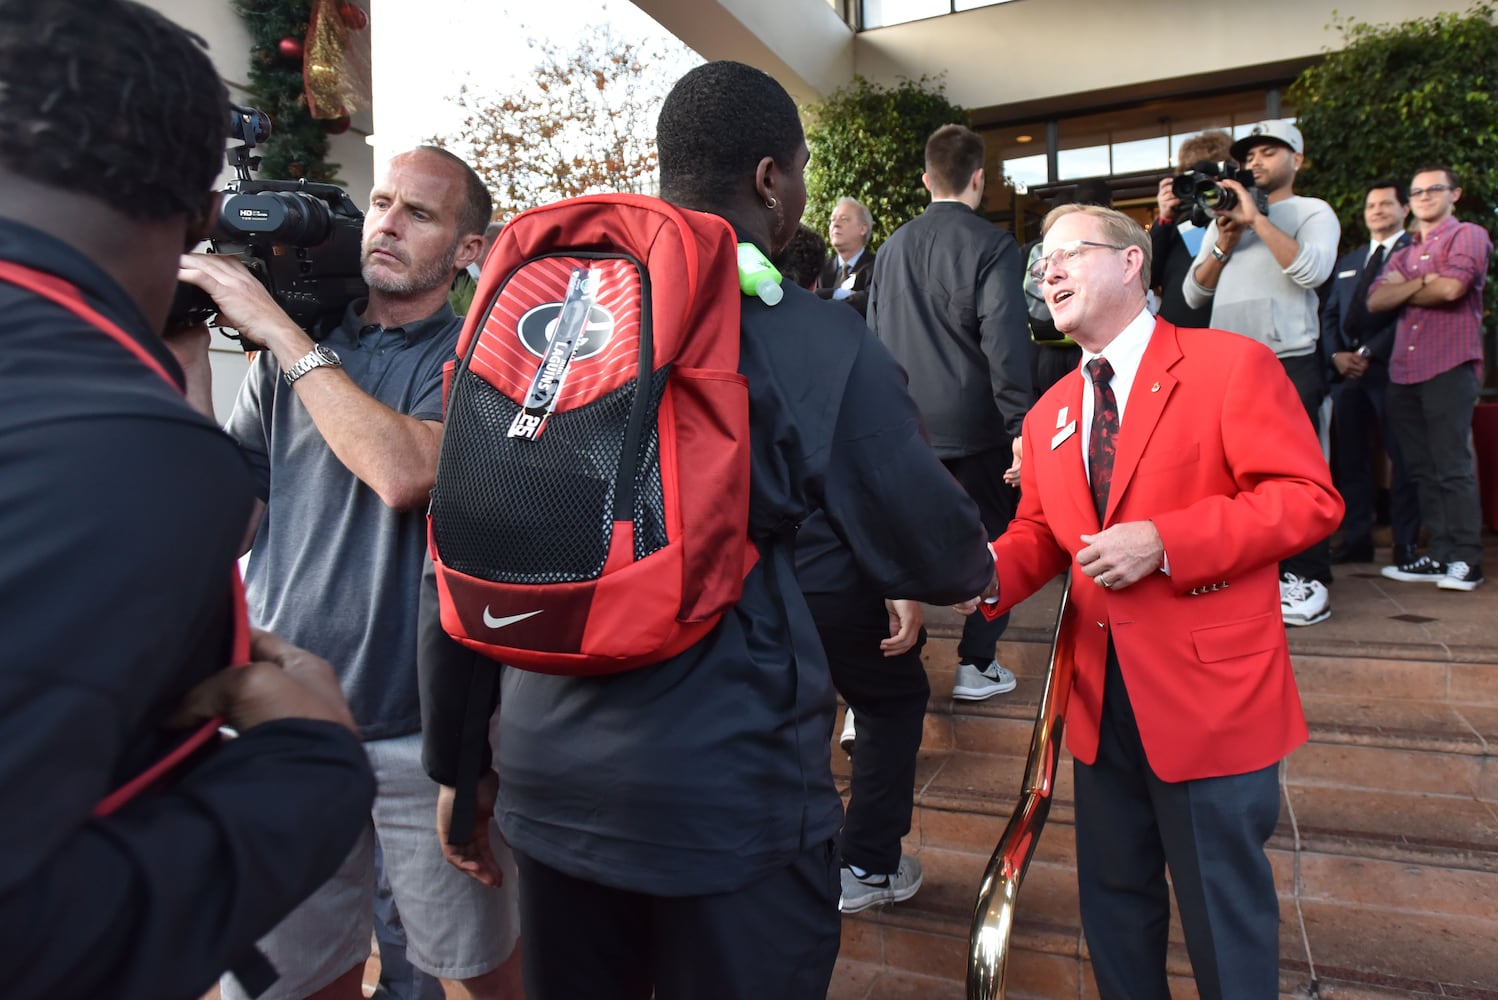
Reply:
x=336, y=126
x=290, y=48
x=353, y=15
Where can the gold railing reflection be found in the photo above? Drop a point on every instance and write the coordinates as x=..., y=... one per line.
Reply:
x=993, y=917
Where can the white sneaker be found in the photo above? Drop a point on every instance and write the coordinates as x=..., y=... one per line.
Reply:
x=1425, y=569
x=860, y=893
x=977, y=685
x=1303, y=602
x=846, y=740
x=1461, y=576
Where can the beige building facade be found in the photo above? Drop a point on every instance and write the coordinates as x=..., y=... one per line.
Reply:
x=1061, y=89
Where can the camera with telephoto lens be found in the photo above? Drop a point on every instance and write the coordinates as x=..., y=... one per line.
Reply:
x=1199, y=193
x=300, y=239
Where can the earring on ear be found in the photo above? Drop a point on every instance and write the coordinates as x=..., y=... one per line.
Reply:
x=770, y=203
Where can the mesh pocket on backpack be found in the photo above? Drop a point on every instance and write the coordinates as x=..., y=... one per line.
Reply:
x=538, y=512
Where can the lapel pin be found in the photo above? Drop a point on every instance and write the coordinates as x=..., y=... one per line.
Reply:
x=1061, y=418
x=1155, y=387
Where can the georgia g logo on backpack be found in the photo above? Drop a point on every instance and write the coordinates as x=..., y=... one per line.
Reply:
x=592, y=499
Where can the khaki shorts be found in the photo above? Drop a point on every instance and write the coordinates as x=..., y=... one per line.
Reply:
x=455, y=927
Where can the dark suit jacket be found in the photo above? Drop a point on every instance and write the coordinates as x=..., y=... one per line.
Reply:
x=1171, y=261
x=863, y=273
x=1215, y=449
x=1347, y=325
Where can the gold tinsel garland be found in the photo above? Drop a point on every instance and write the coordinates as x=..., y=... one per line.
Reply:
x=336, y=64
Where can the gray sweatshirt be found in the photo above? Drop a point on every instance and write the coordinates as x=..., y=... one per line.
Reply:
x=1255, y=296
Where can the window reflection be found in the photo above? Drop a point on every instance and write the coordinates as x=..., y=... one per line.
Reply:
x=879, y=13
x=1135, y=140
x=1025, y=172
x=1090, y=161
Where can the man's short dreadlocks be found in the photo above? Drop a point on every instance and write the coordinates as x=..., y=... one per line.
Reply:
x=111, y=99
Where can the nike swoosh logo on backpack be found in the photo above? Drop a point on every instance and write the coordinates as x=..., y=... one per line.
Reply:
x=493, y=622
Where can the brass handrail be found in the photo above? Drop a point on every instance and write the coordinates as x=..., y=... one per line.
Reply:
x=993, y=917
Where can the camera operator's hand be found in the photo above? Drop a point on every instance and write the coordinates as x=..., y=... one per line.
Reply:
x=282, y=681
x=1166, y=199
x=189, y=345
x=1246, y=211
x=1228, y=234
x=245, y=305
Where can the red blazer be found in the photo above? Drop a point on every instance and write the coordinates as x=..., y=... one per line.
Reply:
x=1216, y=450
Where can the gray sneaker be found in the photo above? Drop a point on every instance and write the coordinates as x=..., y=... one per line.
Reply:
x=977, y=685
x=871, y=889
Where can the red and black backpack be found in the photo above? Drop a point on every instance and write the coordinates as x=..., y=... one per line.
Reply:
x=591, y=506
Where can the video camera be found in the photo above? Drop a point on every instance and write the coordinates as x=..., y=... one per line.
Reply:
x=300, y=239
x=1200, y=195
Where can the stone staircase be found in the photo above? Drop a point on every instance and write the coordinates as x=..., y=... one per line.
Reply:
x=1386, y=855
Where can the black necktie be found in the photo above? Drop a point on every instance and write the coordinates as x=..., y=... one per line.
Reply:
x=1102, y=444
x=1357, y=310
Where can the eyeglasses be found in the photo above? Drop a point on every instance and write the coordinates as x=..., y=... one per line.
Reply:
x=1067, y=253
x=1433, y=189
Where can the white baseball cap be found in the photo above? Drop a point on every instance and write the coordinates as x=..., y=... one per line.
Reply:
x=1280, y=130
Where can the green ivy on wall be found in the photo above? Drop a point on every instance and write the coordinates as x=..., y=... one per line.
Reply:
x=1397, y=96
x=868, y=142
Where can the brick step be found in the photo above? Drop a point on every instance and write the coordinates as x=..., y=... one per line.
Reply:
x=1372, y=940
x=1353, y=675
x=1038, y=976
x=1469, y=732
x=1373, y=619
x=1032, y=975
x=964, y=799
x=1438, y=798
x=1386, y=856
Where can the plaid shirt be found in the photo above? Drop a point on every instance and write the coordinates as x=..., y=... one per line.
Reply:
x=1430, y=340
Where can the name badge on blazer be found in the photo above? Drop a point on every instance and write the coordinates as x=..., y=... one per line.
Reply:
x=1350, y=273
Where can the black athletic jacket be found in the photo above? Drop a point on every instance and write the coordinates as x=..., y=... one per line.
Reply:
x=121, y=511
x=948, y=301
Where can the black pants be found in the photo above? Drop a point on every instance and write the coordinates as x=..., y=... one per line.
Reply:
x=776, y=937
x=888, y=696
x=1210, y=832
x=1358, y=411
x=982, y=476
x=1315, y=562
x=1433, y=420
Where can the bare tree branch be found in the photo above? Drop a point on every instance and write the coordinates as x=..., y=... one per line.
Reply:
x=584, y=121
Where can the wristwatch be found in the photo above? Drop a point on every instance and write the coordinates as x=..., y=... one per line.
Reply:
x=1218, y=254
x=318, y=357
